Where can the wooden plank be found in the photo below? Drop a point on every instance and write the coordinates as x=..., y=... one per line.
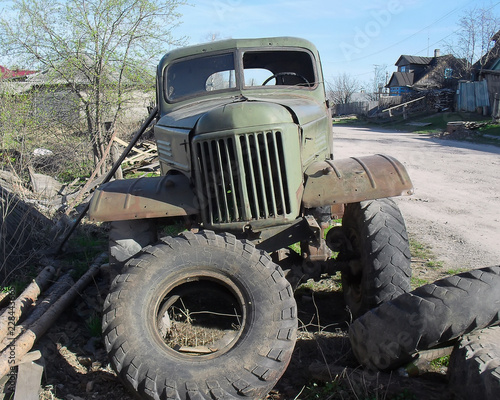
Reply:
x=403, y=104
x=29, y=377
x=119, y=141
x=143, y=155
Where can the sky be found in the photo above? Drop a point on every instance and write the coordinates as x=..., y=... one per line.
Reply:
x=353, y=37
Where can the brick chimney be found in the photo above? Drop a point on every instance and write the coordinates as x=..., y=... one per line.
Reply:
x=437, y=53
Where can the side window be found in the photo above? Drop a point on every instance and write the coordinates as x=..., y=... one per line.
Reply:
x=199, y=75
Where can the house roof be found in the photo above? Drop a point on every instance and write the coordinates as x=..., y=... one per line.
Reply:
x=7, y=73
x=417, y=60
x=401, y=79
x=490, y=60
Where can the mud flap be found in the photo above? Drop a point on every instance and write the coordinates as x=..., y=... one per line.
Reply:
x=354, y=179
x=165, y=196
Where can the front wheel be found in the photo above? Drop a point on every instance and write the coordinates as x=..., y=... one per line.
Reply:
x=201, y=316
x=378, y=255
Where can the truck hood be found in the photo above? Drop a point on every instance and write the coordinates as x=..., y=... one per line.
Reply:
x=301, y=110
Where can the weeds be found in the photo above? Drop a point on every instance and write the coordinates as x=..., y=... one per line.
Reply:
x=417, y=282
x=441, y=362
x=93, y=324
x=455, y=271
x=425, y=254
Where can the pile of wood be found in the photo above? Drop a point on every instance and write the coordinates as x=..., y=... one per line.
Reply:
x=26, y=318
x=436, y=99
x=143, y=157
x=441, y=100
x=462, y=129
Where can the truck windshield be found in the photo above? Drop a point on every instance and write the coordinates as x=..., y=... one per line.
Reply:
x=278, y=67
x=208, y=73
x=200, y=75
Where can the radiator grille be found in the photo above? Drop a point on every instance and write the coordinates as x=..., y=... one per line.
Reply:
x=242, y=177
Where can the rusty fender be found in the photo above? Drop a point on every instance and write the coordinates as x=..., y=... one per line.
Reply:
x=164, y=196
x=354, y=179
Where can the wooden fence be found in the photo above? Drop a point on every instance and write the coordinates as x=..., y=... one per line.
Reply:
x=472, y=95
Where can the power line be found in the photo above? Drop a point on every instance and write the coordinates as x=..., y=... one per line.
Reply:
x=416, y=33
x=455, y=31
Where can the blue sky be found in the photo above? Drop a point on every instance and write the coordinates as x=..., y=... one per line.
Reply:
x=352, y=36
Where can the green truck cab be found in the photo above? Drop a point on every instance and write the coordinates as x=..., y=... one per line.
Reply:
x=244, y=136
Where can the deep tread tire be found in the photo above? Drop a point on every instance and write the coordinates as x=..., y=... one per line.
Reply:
x=248, y=368
x=387, y=336
x=380, y=259
x=474, y=369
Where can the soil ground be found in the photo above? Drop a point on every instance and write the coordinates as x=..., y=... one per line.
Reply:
x=454, y=210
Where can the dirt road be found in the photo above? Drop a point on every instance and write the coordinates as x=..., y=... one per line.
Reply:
x=456, y=205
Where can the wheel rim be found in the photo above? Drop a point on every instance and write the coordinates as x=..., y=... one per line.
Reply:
x=200, y=316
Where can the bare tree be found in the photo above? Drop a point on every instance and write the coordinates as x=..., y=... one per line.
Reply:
x=99, y=50
x=341, y=88
x=474, y=44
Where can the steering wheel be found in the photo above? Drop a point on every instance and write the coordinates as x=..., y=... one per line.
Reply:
x=286, y=74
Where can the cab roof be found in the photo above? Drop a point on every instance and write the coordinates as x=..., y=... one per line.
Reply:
x=228, y=44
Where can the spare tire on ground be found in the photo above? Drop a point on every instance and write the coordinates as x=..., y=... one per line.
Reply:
x=389, y=335
x=474, y=369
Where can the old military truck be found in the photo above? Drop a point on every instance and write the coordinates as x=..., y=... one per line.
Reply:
x=244, y=136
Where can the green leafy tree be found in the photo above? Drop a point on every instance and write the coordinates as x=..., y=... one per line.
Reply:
x=100, y=51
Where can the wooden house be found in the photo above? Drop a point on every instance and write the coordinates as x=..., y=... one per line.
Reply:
x=417, y=73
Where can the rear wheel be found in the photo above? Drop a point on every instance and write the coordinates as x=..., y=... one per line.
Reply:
x=200, y=316
x=378, y=255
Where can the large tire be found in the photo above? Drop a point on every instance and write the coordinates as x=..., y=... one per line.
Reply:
x=379, y=255
x=474, y=369
x=209, y=286
x=389, y=335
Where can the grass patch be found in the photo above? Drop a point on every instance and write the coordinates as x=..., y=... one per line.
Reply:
x=82, y=249
x=424, y=253
x=441, y=362
x=139, y=174
x=20, y=280
x=349, y=120
x=491, y=129
x=455, y=271
x=417, y=282
x=328, y=284
x=437, y=123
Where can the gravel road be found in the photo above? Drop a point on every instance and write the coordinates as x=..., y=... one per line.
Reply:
x=456, y=206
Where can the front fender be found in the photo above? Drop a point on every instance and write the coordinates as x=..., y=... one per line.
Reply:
x=355, y=179
x=125, y=199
